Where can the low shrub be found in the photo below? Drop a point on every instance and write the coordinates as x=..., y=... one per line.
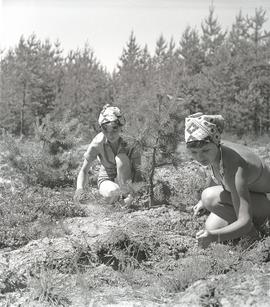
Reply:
x=49, y=160
x=31, y=214
x=121, y=250
x=49, y=286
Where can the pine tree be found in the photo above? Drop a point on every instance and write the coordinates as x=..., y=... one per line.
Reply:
x=238, y=36
x=167, y=68
x=132, y=78
x=85, y=89
x=161, y=54
x=156, y=132
x=191, y=51
x=257, y=35
x=31, y=71
x=130, y=58
x=212, y=37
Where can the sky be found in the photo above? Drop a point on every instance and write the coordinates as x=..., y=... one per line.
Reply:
x=105, y=25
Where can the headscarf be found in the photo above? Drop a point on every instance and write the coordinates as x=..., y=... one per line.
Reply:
x=199, y=127
x=110, y=114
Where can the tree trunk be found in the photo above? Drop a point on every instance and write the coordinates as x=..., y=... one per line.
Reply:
x=151, y=178
x=22, y=111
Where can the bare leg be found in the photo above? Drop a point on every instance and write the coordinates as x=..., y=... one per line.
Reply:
x=219, y=203
x=123, y=176
x=123, y=168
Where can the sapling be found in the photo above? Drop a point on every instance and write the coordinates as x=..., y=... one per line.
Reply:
x=156, y=131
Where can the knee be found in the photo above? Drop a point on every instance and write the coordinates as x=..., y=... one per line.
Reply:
x=109, y=190
x=115, y=192
x=122, y=161
x=209, y=199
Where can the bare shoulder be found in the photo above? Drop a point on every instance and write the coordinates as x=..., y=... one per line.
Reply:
x=241, y=152
x=98, y=139
x=237, y=155
x=94, y=147
x=232, y=158
x=232, y=152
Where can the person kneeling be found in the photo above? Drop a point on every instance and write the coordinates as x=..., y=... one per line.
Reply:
x=120, y=163
x=238, y=201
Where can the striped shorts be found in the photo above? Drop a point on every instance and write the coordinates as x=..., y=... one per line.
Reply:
x=106, y=174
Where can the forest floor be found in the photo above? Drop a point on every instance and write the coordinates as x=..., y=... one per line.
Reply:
x=57, y=253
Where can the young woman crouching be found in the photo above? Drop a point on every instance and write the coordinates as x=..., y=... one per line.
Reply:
x=119, y=162
x=238, y=201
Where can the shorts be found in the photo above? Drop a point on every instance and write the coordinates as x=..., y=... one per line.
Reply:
x=106, y=174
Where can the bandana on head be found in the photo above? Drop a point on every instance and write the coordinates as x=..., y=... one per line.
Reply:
x=110, y=114
x=198, y=127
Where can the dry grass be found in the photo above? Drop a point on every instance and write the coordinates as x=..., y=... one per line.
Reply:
x=151, y=254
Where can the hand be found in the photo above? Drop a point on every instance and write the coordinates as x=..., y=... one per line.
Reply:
x=204, y=238
x=126, y=188
x=197, y=208
x=78, y=196
x=128, y=200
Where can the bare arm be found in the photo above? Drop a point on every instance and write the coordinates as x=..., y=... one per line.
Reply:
x=199, y=206
x=82, y=176
x=89, y=157
x=242, y=206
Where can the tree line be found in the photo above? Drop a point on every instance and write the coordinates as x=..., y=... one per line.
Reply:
x=211, y=70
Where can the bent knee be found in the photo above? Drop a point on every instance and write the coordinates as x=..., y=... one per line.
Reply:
x=209, y=198
x=109, y=189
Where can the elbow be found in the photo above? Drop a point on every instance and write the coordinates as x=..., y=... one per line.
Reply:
x=249, y=225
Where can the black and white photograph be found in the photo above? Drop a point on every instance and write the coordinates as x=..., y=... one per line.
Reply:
x=134, y=153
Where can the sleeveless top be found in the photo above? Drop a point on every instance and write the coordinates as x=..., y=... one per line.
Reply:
x=221, y=172
x=101, y=148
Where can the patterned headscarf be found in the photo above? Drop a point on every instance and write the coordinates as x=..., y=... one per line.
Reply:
x=199, y=126
x=110, y=114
